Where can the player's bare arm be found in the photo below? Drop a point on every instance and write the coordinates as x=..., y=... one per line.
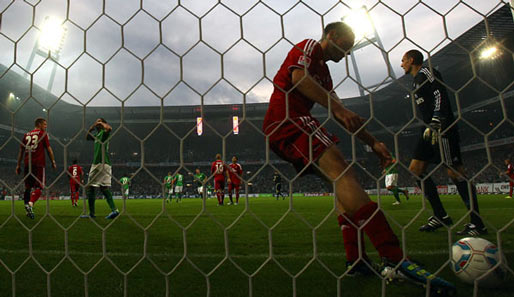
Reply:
x=20, y=156
x=312, y=90
x=89, y=135
x=227, y=175
x=50, y=153
x=105, y=126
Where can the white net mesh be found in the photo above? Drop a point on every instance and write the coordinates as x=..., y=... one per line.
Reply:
x=151, y=68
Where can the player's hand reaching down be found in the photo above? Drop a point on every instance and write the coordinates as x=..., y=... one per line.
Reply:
x=380, y=149
x=349, y=119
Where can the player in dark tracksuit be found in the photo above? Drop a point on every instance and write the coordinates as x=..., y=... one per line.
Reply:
x=439, y=142
x=277, y=180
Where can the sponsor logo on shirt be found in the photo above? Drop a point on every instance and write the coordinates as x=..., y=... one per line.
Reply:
x=304, y=60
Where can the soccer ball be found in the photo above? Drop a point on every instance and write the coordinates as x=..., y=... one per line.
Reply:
x=473, y=258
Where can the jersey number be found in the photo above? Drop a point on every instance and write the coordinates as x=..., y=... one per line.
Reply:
x=31, y=142
x=219, y=168
x=74, y=171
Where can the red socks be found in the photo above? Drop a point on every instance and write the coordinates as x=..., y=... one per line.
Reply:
x=34, y=196
x=350, y=239
x=378, y=230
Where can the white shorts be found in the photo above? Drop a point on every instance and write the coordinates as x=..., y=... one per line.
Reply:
x=178, y=189
x=100, y=175
x=391, y=180
x=170, y=190
x=200, y=190
x=126, y=192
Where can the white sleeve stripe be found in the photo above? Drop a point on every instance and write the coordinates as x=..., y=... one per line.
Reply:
x=427, y=74
x=309, y=47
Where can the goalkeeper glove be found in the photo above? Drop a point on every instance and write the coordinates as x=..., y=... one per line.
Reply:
x=432, y=132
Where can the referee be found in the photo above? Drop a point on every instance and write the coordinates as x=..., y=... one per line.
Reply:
x=438, y=142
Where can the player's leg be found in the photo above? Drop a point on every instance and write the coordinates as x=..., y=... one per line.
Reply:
x=366, y=215
x=106, y=191
x=29, y=183
x=39, y=183
x=236, y=189
x=230, y=186
x=217, y=186
x=470, y=199
x=394, y=190
x=178, y=193
x=511, y=186
x=91, y=198
x=357, y=262
x=358, y=206
x=441, y=217
x=222, y=192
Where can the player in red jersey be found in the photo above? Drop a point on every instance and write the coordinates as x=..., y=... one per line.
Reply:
x=235, y=171
x=297, y=137
x=32, y=150
x=510, y=174
x=76, y=174
x=220, y=171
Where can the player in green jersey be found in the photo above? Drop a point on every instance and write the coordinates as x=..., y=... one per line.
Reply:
x=101, y=170
x=199, y=178
x=178, y=182
x=125, y=185
x=168, y=189
x=391, y=182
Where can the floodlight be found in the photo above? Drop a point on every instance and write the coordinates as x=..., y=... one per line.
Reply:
x=489, y=52
x=360, y=22
x=11, y=96
x=52, y=35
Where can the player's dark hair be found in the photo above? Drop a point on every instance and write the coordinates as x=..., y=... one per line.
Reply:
x=75, y=161
x=341, y=28
x=417, y=56
x=103, y=120
x=39, y=121
x=218, y=156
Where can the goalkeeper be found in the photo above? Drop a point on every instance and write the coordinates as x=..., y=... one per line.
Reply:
x=439, y=138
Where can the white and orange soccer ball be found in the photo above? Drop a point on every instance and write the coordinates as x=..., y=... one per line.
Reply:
x=476, y=259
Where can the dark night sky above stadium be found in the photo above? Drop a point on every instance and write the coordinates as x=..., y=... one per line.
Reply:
x=244, y=64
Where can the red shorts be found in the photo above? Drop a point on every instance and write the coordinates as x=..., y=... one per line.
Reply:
x=219, y=184
x=233, y=186
x=290, y=140
x=35, y=178
x=74, y=186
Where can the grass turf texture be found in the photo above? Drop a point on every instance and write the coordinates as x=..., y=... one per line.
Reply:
x=166, y=232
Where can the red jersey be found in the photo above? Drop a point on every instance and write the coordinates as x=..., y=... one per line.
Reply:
x=308, y=55
x=75, y=172
x=218, y=169
x=510, y=171
x=35, y=142
x=235, y=171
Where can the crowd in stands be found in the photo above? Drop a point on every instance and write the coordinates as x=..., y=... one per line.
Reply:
x=146, y=180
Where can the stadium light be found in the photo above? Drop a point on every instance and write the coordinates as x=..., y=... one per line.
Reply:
x=52, y=35
x=490, y=52
x=11, y=96
x=359, y=20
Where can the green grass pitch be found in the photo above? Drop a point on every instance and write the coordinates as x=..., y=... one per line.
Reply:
x=261, y=247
